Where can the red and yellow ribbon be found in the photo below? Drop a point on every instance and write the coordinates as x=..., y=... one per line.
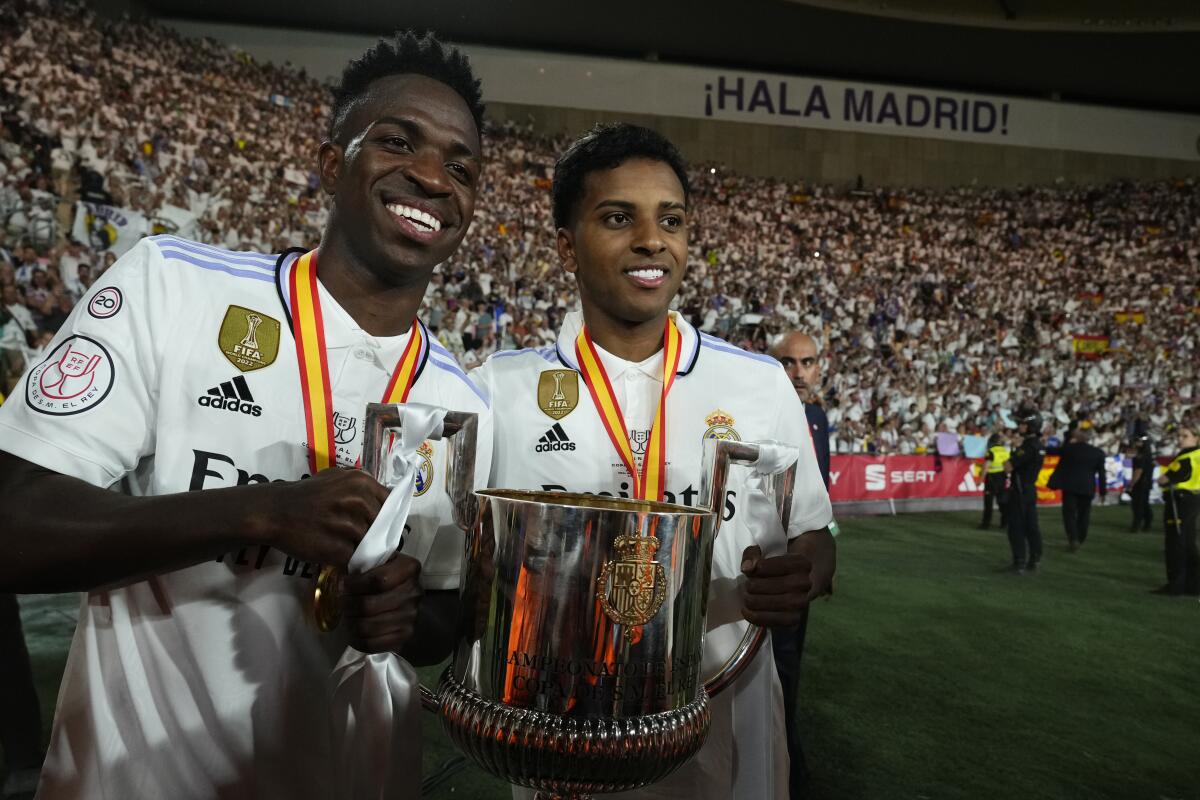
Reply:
x=650, y=482
x=308, y=327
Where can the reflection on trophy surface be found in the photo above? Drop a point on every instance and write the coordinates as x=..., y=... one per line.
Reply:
x=577, y=667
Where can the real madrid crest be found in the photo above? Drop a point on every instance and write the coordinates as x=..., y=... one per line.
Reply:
x=425, y=473
x=632, y=588
x=558, y=392
x=720, y=426
x=249, y=339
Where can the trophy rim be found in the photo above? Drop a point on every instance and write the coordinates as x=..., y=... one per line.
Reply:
x=592, y=502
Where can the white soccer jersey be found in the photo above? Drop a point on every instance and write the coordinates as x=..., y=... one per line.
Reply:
x=549, y=437
x=177, y=372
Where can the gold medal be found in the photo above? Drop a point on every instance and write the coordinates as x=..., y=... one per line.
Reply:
x=327, y=599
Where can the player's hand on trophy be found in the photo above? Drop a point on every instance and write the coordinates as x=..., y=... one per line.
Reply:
x=820, y=548
x=380, y=606
x=778, y=589
x=322, y=519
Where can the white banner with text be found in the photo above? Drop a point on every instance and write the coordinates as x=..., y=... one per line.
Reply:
x=637, y=87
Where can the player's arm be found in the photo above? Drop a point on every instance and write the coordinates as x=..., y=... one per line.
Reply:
x=778, y=589
x=63, y=534
x=1177, y=472
x=84, y=419
x=87, y=418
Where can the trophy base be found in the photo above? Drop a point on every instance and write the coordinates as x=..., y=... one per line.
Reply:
x=567, y=758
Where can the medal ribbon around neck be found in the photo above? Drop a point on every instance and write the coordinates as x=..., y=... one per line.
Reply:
x=652, y=480
x=309, y=331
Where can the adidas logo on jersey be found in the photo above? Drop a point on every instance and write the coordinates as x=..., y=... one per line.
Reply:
x=554, y=439
x=232, y=395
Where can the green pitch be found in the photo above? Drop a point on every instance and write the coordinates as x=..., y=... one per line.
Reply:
x=931, y=674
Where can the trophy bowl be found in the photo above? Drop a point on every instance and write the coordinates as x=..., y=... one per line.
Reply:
x=577, y=668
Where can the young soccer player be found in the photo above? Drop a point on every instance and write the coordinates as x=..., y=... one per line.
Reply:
x=621, y=207
x=201, y=385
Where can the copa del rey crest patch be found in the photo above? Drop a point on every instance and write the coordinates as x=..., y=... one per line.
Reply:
x=249, y=339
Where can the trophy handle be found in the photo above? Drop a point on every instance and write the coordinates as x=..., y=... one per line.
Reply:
x=462, y=426
x=718, y=455
x=382, y=419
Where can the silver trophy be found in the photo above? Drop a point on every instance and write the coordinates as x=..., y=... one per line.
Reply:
x=383, y=431
x=577, y=665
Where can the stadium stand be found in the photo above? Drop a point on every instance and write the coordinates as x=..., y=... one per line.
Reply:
x=938, y=311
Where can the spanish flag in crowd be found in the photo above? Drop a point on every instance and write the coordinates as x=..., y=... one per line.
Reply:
x=1086, y=346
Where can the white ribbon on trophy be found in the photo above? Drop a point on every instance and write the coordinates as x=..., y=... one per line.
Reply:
x=762, y=518
x=375, y=708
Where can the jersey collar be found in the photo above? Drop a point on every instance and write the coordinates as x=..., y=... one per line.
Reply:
x=573, y=323
x=335, y=335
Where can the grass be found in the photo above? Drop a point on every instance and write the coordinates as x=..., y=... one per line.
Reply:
x=932, y=674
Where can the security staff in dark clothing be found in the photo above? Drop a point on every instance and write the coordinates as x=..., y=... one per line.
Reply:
x=818, y=425
x=1024, y=535
x=1181, y=490
x=801, y=361
x=1140, y=483
x=1080, y=468
x=995, y=481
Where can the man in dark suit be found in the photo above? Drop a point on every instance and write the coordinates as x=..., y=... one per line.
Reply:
x=1080, y=470
x=800, y=356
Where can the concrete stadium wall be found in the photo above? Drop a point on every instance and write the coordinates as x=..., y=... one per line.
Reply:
x=839, y=157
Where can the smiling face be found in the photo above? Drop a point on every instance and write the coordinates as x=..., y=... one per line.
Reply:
x=403, y=173
x=627, y=241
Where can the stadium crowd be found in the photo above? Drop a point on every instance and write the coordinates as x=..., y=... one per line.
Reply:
x=937, y=310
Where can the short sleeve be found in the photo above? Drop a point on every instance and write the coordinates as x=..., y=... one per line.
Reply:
x=811, y=509
x=483, y=377
x=88, y=407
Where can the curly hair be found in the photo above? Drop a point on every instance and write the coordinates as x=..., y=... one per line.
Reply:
x=407, y=53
